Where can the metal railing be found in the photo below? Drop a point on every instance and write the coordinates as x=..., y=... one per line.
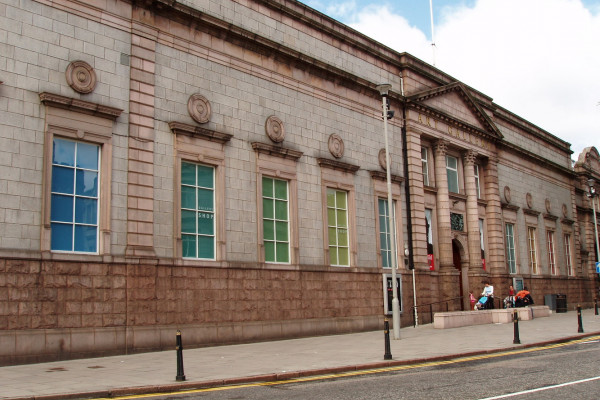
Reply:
x=442, y=305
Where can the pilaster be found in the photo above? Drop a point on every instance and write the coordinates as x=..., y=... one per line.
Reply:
x=495, y=256
x=473, y=235
x=443, y=205
x=140, y=176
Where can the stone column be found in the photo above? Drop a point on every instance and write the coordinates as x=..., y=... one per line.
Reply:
x=473, y=237
x=495, y=256
x=443, y=206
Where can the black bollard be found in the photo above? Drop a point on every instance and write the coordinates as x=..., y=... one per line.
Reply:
x=580, y=328
x=386, y=331
x=596, y=305
x=516, y=339
x=179, y=348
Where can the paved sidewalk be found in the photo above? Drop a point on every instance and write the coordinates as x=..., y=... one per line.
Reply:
x=267, y=361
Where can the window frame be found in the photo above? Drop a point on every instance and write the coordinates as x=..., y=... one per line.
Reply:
x=75, y=196
x=454, y=170
x=196, y=210
x=275, y=219
x=476, y=171
x=512, y=268
x=80, y=127
x=550, y=247
x=387, y=233
x=532, y=250
x=425, y=165
x=568, y=254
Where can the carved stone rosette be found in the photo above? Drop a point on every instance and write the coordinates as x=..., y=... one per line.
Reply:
x=529, y=200
x=199, y=108
x=507, y=194
x=274, y=129
x=336, y=145
x=81, y=77
x=382, y=159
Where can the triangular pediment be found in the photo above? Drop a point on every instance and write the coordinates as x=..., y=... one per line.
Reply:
x=453, y=102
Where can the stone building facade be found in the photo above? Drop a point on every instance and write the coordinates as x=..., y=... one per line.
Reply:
x=217, y=167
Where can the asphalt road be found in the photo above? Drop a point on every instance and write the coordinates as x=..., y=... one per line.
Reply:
x=560, y=372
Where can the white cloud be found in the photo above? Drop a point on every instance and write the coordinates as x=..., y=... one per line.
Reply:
x=540, y=59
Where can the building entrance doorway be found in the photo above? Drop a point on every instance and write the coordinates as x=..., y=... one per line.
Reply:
x=463, y=278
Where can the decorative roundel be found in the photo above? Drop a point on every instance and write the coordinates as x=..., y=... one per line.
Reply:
x=81, y=77
x=507, y=194
x=565, y=210
x=336, y=145
x=548, y=206
x=529, y=199
x=274, y=129
x=199, y=108
x=382, y=159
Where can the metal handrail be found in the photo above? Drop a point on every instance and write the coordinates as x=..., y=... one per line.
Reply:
x=431, y=308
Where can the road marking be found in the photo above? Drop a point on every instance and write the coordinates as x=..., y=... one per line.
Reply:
x=542, y=388
x=361, y=372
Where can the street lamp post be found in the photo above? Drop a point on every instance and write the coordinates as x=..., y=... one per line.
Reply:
x=383, y=90
x=592, y=194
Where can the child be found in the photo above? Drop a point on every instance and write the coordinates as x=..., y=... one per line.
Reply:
x=472, y=299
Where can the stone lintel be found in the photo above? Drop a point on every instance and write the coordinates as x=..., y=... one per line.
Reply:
x=382, y=176
x=276, y=151
x=337, y=165
x=203, y=133
x=80, y=106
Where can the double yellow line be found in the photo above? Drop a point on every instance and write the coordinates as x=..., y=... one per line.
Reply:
x=362, y=372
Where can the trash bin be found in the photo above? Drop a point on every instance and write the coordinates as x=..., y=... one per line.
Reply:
x=550, y=301
x=561, y=303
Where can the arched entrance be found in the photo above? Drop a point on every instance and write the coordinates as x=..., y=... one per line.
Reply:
x=462, y=265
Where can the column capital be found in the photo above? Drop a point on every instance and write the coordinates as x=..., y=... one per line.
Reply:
x=470, y=156
x=441, y=147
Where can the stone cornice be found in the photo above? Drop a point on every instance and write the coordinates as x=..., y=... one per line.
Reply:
x=337, y=165
x=276, y=151
x=382, y=176
x=531, y=212
x=80, y=106
x=567, y=221
x=510, y=207
x=538, y=159
x=550, y=217
x=197, y=131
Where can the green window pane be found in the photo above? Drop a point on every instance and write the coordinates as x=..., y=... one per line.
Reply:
x=383, y=223
x=281, y=211
x=341, y=218
x=206, y=223
x=383, y=238
x=205, y=176
x=268, y=211
x=333, y=259
x=205, y=200
x=343, y=255
x=331, y=217
x=206, y=247
x=283, y=255
x=188, y=174
x=332, y=237
x=343, y=237
x=340, y=200
x=330, y=198
x=281, y=231
x=382, y=207
x=267, y=187
x=281, y=190
x=269, y=251
x=188, y=221
x=188, y=197
x=451, y=162
x=269, y=230
x=188, y=244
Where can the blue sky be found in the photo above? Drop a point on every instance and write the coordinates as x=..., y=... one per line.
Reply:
x=538, y=58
